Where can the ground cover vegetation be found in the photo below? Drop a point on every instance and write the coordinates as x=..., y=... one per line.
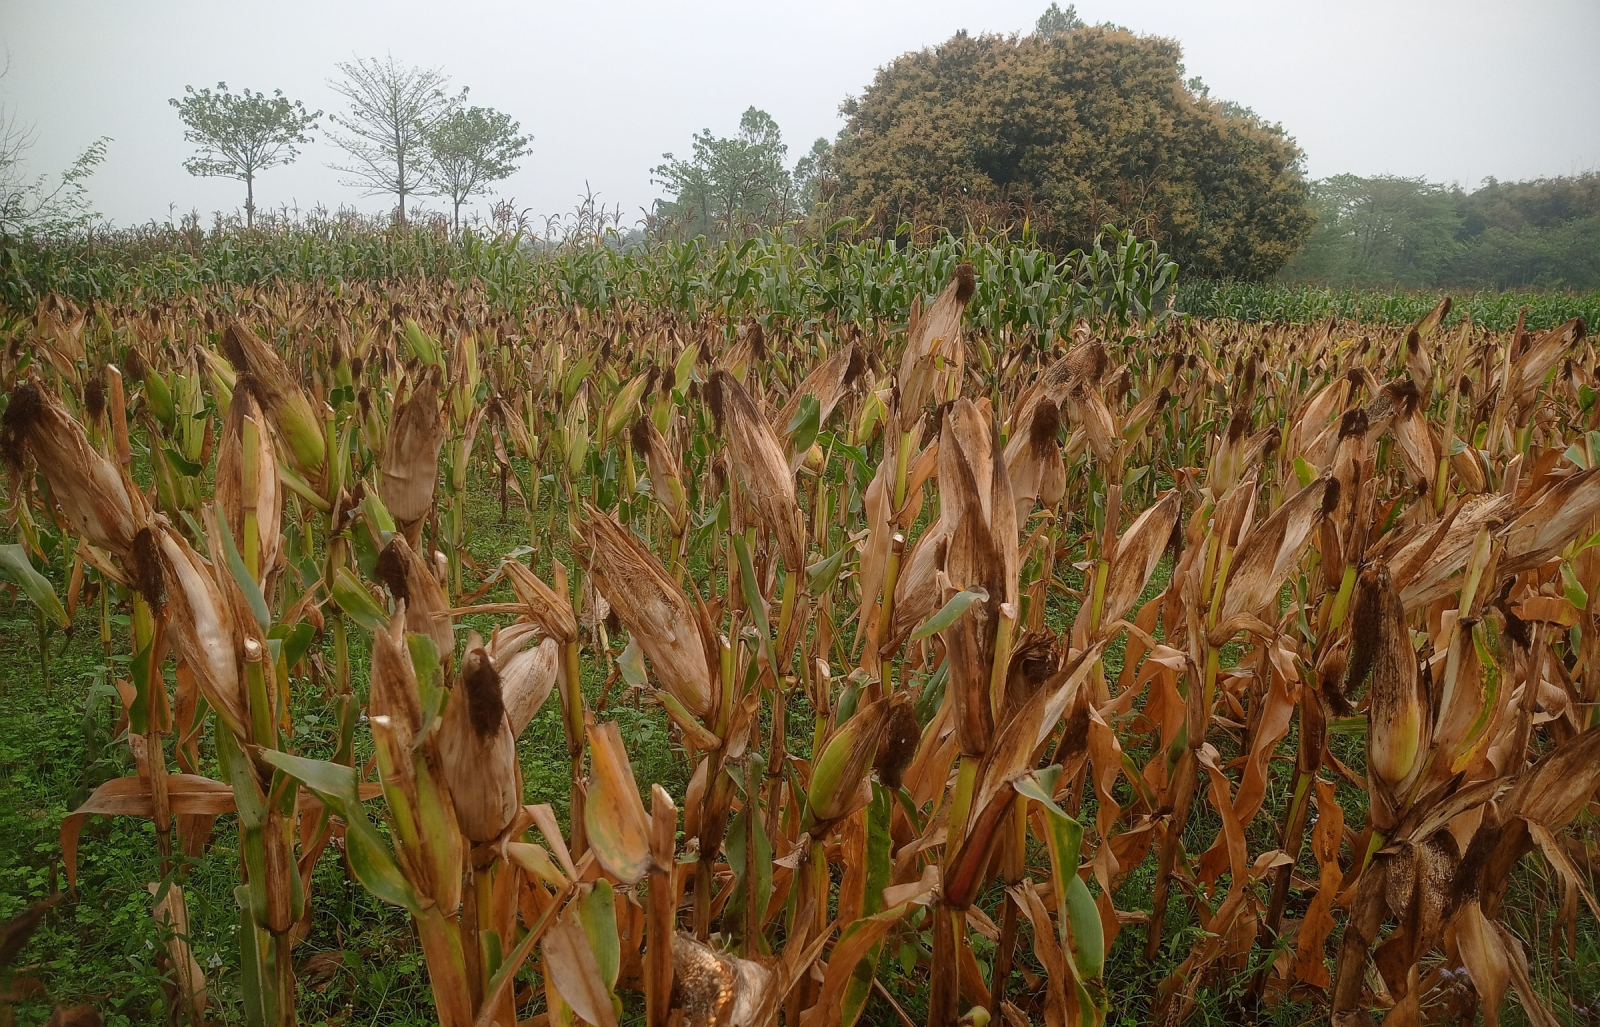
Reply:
x=980, y=641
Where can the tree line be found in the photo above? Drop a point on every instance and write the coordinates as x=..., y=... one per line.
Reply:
x=1410, y=232
x=403, y=132
x=1053, y=133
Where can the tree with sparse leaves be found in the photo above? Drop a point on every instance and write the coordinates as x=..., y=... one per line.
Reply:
x=392, y=110
x=471, y=149
x=34, y=203
x=242, y=134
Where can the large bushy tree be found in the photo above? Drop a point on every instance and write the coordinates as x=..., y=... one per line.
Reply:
x=1072, y=127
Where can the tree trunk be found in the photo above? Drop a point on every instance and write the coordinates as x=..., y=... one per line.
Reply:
x=400, y=181
x=249, y=201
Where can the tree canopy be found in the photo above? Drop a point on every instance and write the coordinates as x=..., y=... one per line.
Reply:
x=1072, y=127
x=1388, y=230
x=727, y=186
x=239, y=135
x=469, y=150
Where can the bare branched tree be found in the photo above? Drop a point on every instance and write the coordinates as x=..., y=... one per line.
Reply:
x=38, y=203
x=392, y=109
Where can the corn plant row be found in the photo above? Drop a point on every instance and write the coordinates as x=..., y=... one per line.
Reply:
x=918, y=544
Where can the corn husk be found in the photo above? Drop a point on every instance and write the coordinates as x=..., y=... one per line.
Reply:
x=551, y=611
x=1138, y=552
x=246, y=420
x=410, y=471
x=286, y=403
x=478, y=751
x=981, y=555
x=203, y=630
x=1033, y=460
x=86, y=485
x=412, y=581
x=762, y=467
x=656, y=613
x=1398, y=732
x=666, y=475
x=527, y=674
x=934, y=352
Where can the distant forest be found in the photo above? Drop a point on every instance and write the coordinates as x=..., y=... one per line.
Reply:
x=1417, y=234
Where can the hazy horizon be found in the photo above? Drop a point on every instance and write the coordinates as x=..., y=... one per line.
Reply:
x=1452, y=93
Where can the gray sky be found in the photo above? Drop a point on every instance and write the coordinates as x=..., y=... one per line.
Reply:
x=1452, y=91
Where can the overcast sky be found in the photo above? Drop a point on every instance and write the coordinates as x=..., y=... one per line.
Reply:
x=1452, y=91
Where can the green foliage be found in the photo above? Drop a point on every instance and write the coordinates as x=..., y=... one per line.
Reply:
x=734, y=186
x=392, y=109
x=1302, y=304
x=1054, y=21
x=812, y=281
x=1071, y=128
x=470, y=150
x=1410, y=232
x=240, y=135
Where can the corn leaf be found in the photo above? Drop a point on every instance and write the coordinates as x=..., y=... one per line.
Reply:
x=14, y=561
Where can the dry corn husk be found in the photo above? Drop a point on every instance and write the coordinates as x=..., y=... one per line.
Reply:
x=981, y=555
x=548, y=609
x=411, y=456
x=934, y=352
x=1558, y=516
x=203, y=629
x=478, y=751
x=1271, y=551
x=232, y=491
x=86, y=485
x=666, y=476
x=762, y=467
x=527, y=673
x=1033, y=460
x=657, y=614
x=412, y=581
x=1398, y=732
x=829, y=383
x=1138, y=552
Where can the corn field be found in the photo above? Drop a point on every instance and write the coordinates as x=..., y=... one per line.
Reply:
x=794, y=280
x=961, y=624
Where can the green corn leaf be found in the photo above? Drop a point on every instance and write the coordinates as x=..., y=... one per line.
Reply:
x=370, y=856
x=14, y=561
x=803, y=427
x=825, y=572
x=597, y=911
x=357, y=603
x=948, y=614
x=241, y=574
